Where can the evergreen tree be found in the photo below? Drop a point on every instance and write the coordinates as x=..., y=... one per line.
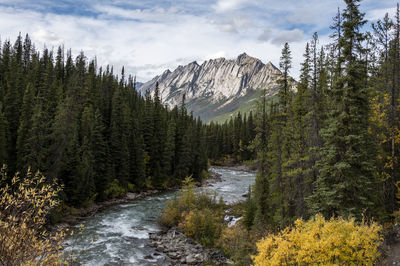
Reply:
x=3, y=137
x=119, y=137
x=345, y=185
x=24, y=127
x=101, y=167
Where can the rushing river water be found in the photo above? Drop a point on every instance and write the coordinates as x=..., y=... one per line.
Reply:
x=120, y=234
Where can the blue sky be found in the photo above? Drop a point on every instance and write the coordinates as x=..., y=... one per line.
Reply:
x=149, y=36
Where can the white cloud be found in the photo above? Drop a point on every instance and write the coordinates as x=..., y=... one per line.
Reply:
x=265, y=35
x=215, y=55
x=150, y=36
x=295, y=35
x=233, y=22
x=380, y=13
x=226, y=5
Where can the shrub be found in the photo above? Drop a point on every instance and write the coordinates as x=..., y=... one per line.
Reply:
x=204, y=175
x=184, y=202
x=201, y=225
x=24, y=205
x=191, y=211
x=238, y=243
x=115, y=190
x=131, y=187
x=322, y=242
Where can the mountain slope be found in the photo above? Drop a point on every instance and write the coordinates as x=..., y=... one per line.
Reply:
x=217, y=87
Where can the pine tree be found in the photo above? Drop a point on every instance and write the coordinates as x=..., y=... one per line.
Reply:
x=156, y=150
x=3, y=137
x=101, y=167
x=285, y=64
x=298, y=165
x=85, y=185
x=345, y=185
x=169, y=149
x=262, y=185
x=24, y=127
x=119, y=137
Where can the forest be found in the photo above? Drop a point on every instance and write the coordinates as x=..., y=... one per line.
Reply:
x=332, y=146
x=88, y=128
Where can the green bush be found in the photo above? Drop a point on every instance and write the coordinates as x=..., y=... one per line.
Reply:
x=184, y=202
x=204, y=175
x=115, y=190
x=131, y=187
x=202, y=225
x=192, y=212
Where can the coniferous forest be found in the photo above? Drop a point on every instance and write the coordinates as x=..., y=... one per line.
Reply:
x=326, y=147
x=89, y=128
x=331, y=146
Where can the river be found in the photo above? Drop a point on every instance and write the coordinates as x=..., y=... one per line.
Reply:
x=120, y=234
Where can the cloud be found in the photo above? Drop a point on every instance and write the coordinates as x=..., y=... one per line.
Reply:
x=149, y=36
x=289, y=36
x=218, y=54
x=233, y=22
x=380, y=13
x=47, y=37
x=266, y=35
x=226, y=5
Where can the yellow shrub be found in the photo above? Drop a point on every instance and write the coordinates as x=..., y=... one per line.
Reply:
x=24, y=206
x=323, y=242
x=201, y=225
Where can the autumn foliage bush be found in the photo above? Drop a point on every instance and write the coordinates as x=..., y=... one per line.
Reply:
x=198, y=214
x=24, y=206
x=202, y=225
x=321, y=242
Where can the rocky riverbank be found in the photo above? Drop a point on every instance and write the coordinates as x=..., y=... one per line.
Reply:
x=182, y=250
x=213, y=178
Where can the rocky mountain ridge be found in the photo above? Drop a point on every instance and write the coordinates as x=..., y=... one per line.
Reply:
x=217, y=86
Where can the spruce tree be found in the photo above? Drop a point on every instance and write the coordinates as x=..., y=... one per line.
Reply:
x=3, y=137
x=24, y=127
x=345, y=185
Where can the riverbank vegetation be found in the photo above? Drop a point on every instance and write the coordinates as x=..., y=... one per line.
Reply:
x=200, y=215
x=25, y=203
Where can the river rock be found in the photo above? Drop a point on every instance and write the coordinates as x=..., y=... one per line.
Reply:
x=199, y=257
x=173, y=255
x=182, y=250
x=160, y=248
x=190, y=259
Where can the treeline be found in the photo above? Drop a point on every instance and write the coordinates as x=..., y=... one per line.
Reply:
x=232, y=140
x=89, y=128
x=332, y=146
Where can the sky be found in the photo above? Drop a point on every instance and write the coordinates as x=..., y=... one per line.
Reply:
x=150, y=36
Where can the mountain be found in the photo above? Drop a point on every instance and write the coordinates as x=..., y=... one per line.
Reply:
x=218, y=87
x=139, y=85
